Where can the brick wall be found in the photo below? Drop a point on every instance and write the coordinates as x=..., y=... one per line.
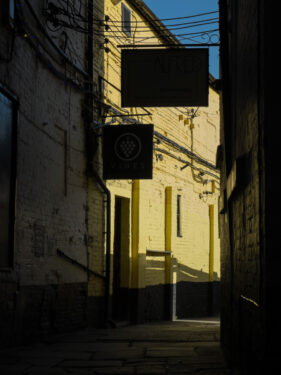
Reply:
x=51, y=196
x=241, y=225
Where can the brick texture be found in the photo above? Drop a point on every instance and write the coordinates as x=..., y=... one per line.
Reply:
x=41, y=290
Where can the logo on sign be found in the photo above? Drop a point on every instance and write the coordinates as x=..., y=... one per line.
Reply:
x=127, y=147
x=128, y=152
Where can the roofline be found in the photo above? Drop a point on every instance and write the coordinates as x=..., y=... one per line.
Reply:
x=154, y=21
x=161, y=29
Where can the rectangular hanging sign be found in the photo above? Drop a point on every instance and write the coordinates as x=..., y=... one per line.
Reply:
x=127, y=152
x=165, y=77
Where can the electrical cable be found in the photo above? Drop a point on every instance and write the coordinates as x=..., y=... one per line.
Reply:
x=170, y=142
x=175, y=28
x=39, y=47
x=185, y=151
x=148, y=28
x=161, y=27
x=163, y=151
x=174, y=18
x=50, y=40
x=107, y=33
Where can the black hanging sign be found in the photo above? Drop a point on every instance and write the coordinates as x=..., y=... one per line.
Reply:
x=127, y=152
x=165, y=77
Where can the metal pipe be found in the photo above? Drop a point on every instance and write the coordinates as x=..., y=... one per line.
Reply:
x=135, y=233
x=168, y=233
x=92, y=145
x=106, y=191
x=78, y=264
x=211, y=250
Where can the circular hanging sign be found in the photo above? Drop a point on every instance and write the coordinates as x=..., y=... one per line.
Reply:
x=127, y=146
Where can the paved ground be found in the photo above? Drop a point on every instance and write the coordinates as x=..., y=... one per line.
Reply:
x=181, y=347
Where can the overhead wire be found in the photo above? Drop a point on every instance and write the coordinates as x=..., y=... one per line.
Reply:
x=107, y=33
x=100, y=20
x=44, y=53
x=174, y=18
x=179, y=148
x=119, y=34
x=176, y=24
x=183, y=36
x=187, y=26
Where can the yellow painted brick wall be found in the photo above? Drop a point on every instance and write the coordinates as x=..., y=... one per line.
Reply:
x=192, y=249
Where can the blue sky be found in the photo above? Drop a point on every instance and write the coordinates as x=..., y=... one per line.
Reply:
x=185, y=8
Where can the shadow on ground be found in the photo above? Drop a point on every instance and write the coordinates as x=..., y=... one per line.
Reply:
x=180, y=347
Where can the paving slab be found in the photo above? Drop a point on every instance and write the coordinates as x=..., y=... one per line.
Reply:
x=120, y=353
x=175, y=348
x=115, y=371
x=91, y=364
x=13, y=370
x=151, y=370
x=170, y=352
x=44, y=371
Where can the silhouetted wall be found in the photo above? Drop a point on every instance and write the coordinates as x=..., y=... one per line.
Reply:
x=248, y=216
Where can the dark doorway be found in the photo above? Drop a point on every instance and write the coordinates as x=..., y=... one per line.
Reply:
x=121, y=259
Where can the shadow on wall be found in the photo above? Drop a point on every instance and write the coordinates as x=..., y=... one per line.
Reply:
x=32, y=312
x=192, y=295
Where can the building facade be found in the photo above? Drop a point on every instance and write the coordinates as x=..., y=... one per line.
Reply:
x=164, y=242
x=43, y=286
x=75, y=249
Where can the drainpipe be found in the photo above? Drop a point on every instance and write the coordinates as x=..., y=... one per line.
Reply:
x=211, y=260
x=106, y=191
x=168, y=233
x=91, y=148
x=135, y=233
x=168, y=257
x=211, y=251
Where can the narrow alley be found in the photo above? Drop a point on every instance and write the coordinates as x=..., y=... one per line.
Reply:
x=139, y=184
x=180, y=347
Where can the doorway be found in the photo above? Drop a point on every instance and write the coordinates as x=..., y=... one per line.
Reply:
x=121, y=259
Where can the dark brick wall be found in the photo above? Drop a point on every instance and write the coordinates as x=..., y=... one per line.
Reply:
x=195, y=300
x=249, y=230
x=7, y=302
x=30, y=312
x=40, y=292
x=155, y=303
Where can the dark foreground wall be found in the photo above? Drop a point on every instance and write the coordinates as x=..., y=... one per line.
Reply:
x=30, y=312
x=249, y=211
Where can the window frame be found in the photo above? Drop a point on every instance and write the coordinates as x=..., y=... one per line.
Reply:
x=12, y=203
x=126, y=25
x=179, y=215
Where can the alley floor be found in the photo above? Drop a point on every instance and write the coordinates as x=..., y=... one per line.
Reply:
x=181, y=347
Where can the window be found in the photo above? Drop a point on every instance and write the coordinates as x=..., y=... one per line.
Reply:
x=7, y=178
x=7, y=12
x=179, y=229
x=126, y=20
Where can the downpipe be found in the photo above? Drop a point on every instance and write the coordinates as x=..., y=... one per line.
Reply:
x=91, y=148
